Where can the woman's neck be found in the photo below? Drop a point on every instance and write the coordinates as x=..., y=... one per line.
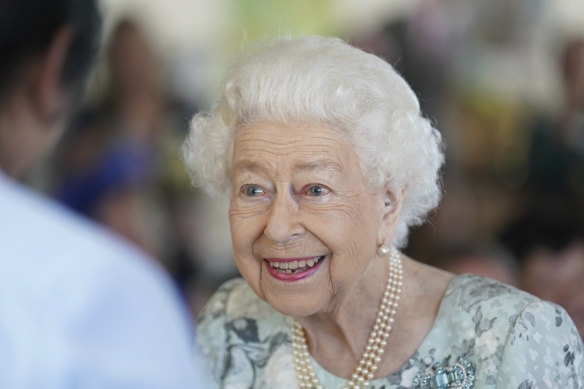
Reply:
x=337, y=337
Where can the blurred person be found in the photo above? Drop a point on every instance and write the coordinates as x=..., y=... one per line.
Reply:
x=118, y=185
x=328, y=162
x=548, y=235
x=78, y=308
x=489, y=261
x=455, y=224
x=572, y=115
x=556, y=155
x=549, y=246
x=118, y=163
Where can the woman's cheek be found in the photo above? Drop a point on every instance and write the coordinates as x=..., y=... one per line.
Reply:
x=243, y=234
x=244, y=228
x=336, y=215
x=350, y=228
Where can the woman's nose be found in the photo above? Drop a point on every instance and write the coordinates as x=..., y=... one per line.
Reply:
x=283, y=221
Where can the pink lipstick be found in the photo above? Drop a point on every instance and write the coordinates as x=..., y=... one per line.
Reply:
x=293, y=269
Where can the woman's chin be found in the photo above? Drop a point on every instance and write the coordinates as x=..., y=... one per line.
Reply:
x=302, y=302
x=296, y=310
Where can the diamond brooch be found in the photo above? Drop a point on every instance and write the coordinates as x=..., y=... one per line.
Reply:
x=459, y=375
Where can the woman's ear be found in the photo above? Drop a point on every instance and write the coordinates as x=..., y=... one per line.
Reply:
x=392, y=203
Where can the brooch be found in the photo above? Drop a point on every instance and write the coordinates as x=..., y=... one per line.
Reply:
x=459, y=374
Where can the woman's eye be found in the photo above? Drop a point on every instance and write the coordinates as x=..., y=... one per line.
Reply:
x=317, y=190
x=252, y=190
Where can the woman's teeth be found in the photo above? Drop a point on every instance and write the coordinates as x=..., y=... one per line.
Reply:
x=295, y=266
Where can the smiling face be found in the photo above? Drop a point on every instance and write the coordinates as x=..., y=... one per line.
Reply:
x=305, y=225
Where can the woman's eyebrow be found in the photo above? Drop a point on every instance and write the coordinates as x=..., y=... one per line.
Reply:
x=320, y=165
x=248, y=166
x=326, y=165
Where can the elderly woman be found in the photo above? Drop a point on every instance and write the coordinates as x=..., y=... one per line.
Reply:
x=328, y=162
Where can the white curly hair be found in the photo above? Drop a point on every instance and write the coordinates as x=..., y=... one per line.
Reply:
x=326, y=82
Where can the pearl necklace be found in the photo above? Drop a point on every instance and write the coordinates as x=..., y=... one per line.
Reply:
x=376, y=343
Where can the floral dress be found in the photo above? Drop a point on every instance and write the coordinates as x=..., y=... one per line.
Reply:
x=506, y=338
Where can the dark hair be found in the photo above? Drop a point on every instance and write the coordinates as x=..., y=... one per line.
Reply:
x=27, y=28
x=554, y=230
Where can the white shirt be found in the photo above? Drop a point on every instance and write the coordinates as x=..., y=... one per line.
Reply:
x=81, y=309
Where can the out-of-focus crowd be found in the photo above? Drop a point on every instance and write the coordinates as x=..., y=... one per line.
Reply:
x=513, y=206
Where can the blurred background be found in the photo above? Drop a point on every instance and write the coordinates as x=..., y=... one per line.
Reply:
x=502, y=80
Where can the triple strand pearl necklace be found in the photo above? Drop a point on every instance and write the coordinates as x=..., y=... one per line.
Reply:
x=376, y=343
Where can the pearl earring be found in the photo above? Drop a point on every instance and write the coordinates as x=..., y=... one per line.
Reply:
x=383, y=250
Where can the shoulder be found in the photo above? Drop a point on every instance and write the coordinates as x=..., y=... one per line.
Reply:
x=237, y=308
x=231, y=292
x=70, y=282
x=488, y=304
x=543, y=349
x=48, y=251
x=474, y=304
x=512, y=336
x=476, y=312
x=471, y=293
x=483, y=311
x=241, y=335
x=39, y=233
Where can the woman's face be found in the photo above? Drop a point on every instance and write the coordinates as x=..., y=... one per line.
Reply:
x=300, y=201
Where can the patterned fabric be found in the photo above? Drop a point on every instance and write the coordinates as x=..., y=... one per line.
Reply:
x=513, y=339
